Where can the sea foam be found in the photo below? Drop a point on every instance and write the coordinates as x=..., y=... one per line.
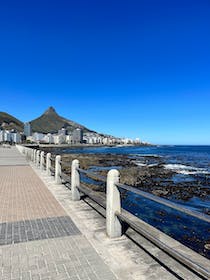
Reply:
x=185, y=169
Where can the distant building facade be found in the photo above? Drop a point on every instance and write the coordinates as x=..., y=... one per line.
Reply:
x=7, y=136
x=27, y=129
x=62, y=131
x=77, y=136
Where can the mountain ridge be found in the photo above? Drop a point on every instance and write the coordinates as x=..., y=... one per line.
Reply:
x=9, y=122
x=49, y=122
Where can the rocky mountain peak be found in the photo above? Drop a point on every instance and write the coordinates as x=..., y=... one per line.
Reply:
x=50, y=110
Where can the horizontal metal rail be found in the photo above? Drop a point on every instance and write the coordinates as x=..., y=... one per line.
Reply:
x=165, y=202
x=99, y=177
x=134, y=222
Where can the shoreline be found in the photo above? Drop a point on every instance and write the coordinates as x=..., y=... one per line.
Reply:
x=86, y=145
x=151, y=178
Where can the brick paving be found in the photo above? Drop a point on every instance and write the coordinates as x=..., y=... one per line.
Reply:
x=11, y=156
x=59, y=258
x=23, y=231
x=24, y=196
x=38, y=240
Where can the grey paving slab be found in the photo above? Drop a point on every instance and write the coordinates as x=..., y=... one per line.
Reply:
x=11, y=156
x=70, y=257
x=24, y=231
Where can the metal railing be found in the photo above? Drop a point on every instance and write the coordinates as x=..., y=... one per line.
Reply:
x=165, y=202
x=115, y=214
x=111, y=201
x=134, y=223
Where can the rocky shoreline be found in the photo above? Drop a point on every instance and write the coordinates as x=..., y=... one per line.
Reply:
x=148, y=173
x=151, y=176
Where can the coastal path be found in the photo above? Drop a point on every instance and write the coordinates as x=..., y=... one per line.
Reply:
x=45, y=234
x=38, y=239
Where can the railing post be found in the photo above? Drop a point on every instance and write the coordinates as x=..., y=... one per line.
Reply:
x=37, y=158
x=42, y=161
x=75, y=180
x=48, y=164
x=58, y=169
x=34, y=156
x=113, y=205
x=28, y=155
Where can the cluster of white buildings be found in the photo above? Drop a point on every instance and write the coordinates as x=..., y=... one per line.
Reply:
x=7, y=136
x=95, y=138
x=63, y=137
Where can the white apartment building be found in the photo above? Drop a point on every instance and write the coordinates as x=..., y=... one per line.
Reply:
x=37, y=137
x=16, y=137
x=49, y=138
x=8, y=136
x=1, y=136
x=59, y=139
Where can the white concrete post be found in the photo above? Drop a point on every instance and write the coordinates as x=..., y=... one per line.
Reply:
x=75, y=180
x=28, y=154
x=48, y=164
x=37, y=158
x=42, y=161
x=113, y=204
x=58, y=169
x=34, y=155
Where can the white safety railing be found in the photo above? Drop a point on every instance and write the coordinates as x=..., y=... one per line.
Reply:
x=115, y=214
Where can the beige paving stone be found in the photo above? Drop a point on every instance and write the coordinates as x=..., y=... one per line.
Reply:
x=23, y=196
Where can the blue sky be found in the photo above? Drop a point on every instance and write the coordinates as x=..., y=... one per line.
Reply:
x=126, y=68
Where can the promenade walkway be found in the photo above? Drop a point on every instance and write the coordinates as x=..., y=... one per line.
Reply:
x=46, y=235
x=38, y=239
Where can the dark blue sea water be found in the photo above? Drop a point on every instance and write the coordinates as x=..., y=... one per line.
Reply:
x=191, y=164
x=191, y=156
x=196, y=156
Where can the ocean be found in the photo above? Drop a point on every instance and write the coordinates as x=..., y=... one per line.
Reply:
x=191, y=164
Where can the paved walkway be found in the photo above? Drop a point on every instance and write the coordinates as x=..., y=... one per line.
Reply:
x=38, y=240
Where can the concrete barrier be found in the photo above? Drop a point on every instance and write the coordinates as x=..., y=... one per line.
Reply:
x=58, y=169
x=48, y=164
x=113, y=205
x=42, y=161
x=38, y=158
x=75, y=180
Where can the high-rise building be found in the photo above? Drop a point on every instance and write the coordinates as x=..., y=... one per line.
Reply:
x=77, y=136
x=27, y=129
x=62, y=131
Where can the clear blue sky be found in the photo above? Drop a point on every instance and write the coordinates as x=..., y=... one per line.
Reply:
x=128, y=68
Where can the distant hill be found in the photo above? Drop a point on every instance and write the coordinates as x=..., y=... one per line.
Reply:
x=9, y=122
x=51, y=122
